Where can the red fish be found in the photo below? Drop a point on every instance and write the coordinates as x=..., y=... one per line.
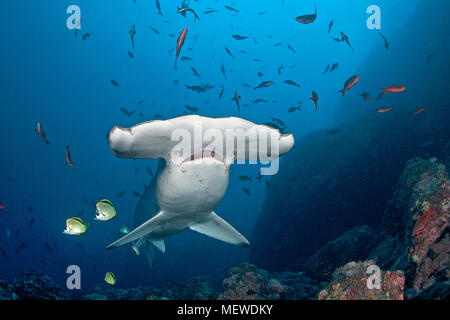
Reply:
x=394, y=88
x=383, y=110
x=423, y=221
x=2, y=207
x=420, y=110
x=68, y=158
x=307, y=18
x=180, y=43
x=315, y=98
x=352, y=81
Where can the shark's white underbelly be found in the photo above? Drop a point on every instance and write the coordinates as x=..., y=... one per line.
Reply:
x=188, y=192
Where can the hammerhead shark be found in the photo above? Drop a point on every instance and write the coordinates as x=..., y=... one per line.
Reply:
x=194, y=180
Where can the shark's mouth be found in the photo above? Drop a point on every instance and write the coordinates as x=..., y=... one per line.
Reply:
x=203, y=154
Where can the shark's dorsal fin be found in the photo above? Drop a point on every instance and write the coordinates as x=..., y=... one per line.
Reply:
x=217, y=228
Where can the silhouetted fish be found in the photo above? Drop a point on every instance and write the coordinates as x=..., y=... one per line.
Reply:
x=307, y=18
x=114, y=83
x=231, y=9
x=22, y=246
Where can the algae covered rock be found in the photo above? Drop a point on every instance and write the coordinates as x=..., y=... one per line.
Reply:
x=415, y=228
x=352, y=282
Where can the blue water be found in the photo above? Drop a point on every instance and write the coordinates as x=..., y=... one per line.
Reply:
x=50, y=76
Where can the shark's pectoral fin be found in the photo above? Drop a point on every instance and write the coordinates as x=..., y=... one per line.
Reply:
x=159, y=244
x=140, y=232
x=217, y=228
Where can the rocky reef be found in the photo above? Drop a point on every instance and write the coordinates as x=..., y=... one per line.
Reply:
x=415, y=229
x=350, y=282
x=32, y=285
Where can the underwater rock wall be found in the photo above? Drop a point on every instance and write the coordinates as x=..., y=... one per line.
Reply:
x=342, y=178
x=415, y=231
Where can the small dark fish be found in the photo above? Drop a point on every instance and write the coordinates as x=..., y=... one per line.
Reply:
x=176, y=82
x=185, y=58
x=136, y=194
x=239, y=37
x=130, y=54
x=264, y=84
x=334, y=66
x=32, y=221
x=158, y=7
x=132, y=33
x=260, y=100
x=337, y=39
x=231, y=9
x=229, y=52
x=261, y=13
x=430, y=57
x=247, y=191
x=307, y=18
x=333, y=131
x=156, y=31
x=326, y=69
x=22, y=246
x=260, y=74
x=157, y=116
x=293, y=109
x=236, y=98
x=278, y=44
x=140, y=102
x=386, y=43
x=365, y=95
x=290, y=48
x=191, y=108
x=315, y=98
x=330, y=25
x=114, y=83
x=120, y=194
x=275, y=126
x=195, y=72
x=246, y=85
x=47, y=245
x=183, y=11
x=257, y=60
x=221, y=92
x=68, y=157
x=126, y=112
x=30, y=209
x=210, y=11
x=201, y=88
x=280, y=68
x=222, y=68
x=345, y=38
x=279, y=121
x=85, y=200
x=291, y=83
x=85, y=36
x=41, y=133
x=244, y=178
